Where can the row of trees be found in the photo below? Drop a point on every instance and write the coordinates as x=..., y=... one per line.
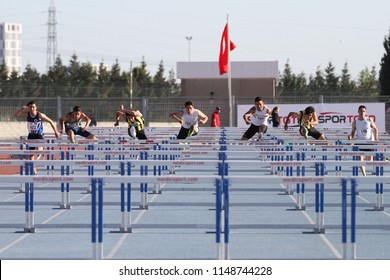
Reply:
x=84, y=80
x=384, y=73
x=329, y=83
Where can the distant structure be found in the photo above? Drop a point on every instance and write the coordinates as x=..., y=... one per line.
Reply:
x=249, y=78
x=51, y=37
x=11, y=46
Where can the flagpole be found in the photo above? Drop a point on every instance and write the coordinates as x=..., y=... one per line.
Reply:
x=229, y=79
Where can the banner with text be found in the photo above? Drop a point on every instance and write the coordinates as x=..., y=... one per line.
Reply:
x=330, y=115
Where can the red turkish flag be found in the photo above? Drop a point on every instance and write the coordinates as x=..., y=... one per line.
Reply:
x=224, y=51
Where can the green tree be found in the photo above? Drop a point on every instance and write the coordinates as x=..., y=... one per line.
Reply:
x=14, y=76
x=367, y=83
x=3, y=71
x=119, y=82
x=58, y=80
x=115, y=76
x=88, y=79
x=74, y=74
x=87, y=73
x=374, y=82
x=301, y=85
x=142, y=79
x=173, y=86
x=15, y=84
x=58, y=72
x=317, y=82
x=160, y=85
x=103, y=73
x=103, y=83
x=31, y=81
x=347, y=86
x=384, y=72
x=287, y=81
x=331, y=80
x=4, y=83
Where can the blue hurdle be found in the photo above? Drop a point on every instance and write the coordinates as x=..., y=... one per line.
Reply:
x=97, y=247
x=29, y=200
x=222, y=218
x=319, y=200
x=344, y=217
x=379, y=186
x=126, y=216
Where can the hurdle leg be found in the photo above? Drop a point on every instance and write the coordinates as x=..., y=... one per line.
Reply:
x=21, y=187
x=123, y=220
x=129, y=223
x=289, y=189
x=93, y=218
x=379, y=197
x=344, y=217
x=146, y=200
x=353, y=218
x=63, y=203
x=30, y=213
x=27, y=207
x=298, y=205
x=303, y=206
x=100, y=220
x=157, y=188
x=144, y=196
x=322, y=205
x=226, y=218
x=97, y=218
x=317, y=208
x=29, y=200
x=141, y=204
x=68, y=196
x=218, y=211
x=32, y=220
x=302, y=203
x=89, y=188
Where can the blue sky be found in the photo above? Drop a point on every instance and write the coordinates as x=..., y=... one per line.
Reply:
x=309, y=34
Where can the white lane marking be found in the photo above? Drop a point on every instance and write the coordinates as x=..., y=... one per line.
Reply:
x=322, y=236
x=125, y=235
x=2, y=250
x=44, y=222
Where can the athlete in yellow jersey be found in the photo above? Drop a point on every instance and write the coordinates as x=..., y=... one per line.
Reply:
x=134, y=120
x=307, y=119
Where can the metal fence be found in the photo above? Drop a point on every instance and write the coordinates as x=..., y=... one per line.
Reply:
x=157, y=109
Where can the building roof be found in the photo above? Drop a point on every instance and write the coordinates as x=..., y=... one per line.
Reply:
x=240, y=70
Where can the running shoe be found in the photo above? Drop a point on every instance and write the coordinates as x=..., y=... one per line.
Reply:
x=305, y=132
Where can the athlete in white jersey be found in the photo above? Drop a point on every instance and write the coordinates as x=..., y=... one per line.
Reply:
x=365, y=129
x=189, y=118
x=257, y=117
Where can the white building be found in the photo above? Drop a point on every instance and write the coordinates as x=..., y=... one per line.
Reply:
x=11, y=46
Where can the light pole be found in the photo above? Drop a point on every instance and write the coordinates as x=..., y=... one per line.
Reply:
x=189, y=38
x=131, y=84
